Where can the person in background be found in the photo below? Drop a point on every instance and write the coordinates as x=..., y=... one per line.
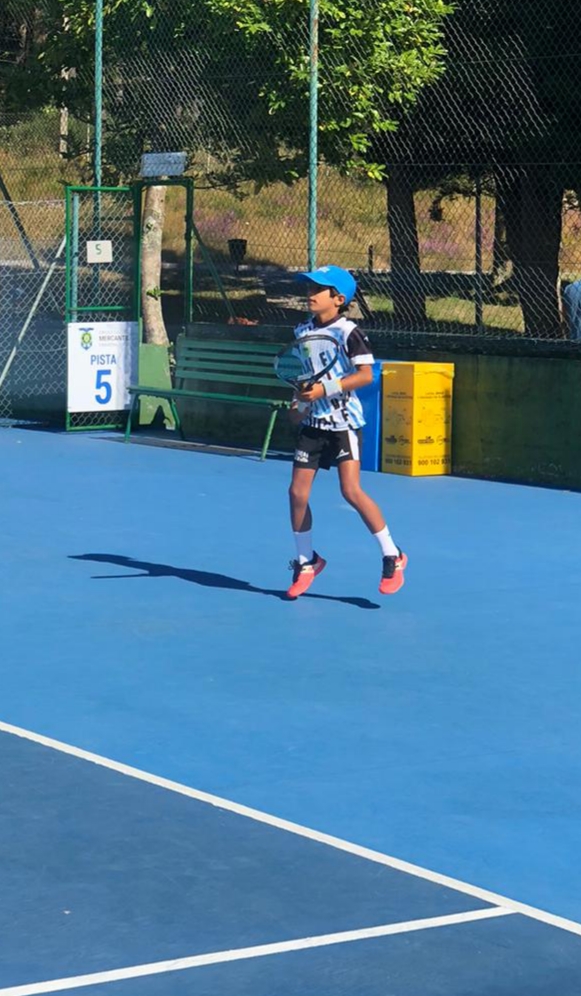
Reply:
x=572, y=308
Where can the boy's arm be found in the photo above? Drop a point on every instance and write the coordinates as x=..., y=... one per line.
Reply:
x=362, y=378
x=351, y=382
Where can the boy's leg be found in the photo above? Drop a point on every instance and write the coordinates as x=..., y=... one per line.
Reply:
x=299, y=494
x=308, y=564
x=353, y=493
x=394, y=561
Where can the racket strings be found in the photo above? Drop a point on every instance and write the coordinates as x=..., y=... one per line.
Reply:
x=307, y=360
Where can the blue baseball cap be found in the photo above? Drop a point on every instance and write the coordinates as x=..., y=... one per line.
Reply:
x=335, y=277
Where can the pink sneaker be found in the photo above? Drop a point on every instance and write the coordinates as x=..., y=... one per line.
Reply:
x=392, y=578
x=304, y=575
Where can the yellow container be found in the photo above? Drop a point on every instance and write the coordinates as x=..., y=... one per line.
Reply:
x=416, y=422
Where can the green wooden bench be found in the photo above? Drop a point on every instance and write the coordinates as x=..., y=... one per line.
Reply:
x=215, y=364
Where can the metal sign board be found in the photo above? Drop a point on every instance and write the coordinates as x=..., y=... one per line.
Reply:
x=163, y=164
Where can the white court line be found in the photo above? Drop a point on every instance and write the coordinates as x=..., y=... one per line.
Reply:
x=322, y=838
x=260, y=951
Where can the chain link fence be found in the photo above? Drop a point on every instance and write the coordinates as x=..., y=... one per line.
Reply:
x=451, y=191
x=107, y=290
x=32, y=287
x=449, y=151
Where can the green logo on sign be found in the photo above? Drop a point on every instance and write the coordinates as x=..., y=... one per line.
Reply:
x=86, y=338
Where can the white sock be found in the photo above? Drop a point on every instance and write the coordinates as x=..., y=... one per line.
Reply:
x=304, y=542
x=388, y=547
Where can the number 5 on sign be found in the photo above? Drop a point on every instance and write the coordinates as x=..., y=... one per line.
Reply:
x=103, y=387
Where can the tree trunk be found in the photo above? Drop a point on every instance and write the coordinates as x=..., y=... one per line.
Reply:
x=67, y=74
x=532, y=207
x=409, y=304
x=153, y=221
x=64, y=132
x=500, y=257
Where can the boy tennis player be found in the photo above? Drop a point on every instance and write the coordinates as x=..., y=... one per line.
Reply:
x=331, y=420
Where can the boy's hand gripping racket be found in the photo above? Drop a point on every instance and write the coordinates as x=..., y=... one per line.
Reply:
x=306, y=361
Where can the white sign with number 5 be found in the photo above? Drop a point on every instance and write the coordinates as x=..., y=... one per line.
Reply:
x=102, y=362
x=99, y=252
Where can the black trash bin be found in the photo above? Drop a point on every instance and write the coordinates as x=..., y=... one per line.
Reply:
x=237, y=250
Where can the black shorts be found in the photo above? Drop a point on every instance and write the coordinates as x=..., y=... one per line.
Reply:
x=321, y=449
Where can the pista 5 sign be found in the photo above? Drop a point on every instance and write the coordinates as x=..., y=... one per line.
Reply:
x=102, y=362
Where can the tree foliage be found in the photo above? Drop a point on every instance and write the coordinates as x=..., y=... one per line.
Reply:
x=507, y=109
x=232, y=76
x=376, y=57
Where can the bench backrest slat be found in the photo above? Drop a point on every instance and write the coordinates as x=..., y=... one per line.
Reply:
x=227, y=362
x=238, y=362
x=227, y=346
x=191, y=369
x=223, y=378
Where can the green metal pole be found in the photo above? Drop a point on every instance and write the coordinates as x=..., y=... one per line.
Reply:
x=98, y=150
x=189, y=281
x=68, y=254
x=137, y=241
x=313, y=129
x=75, y=258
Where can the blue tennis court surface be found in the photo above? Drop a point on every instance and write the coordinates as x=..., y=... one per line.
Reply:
x=209, y=790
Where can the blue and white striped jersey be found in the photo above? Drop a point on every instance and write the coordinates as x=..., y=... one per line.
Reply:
x=344, y=411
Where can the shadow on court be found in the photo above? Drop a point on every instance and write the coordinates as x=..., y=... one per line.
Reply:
x=207, y=579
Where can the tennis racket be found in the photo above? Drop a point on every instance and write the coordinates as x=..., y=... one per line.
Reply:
x=306, y=361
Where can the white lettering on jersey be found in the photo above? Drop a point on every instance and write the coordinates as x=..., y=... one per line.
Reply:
x=344, y=411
